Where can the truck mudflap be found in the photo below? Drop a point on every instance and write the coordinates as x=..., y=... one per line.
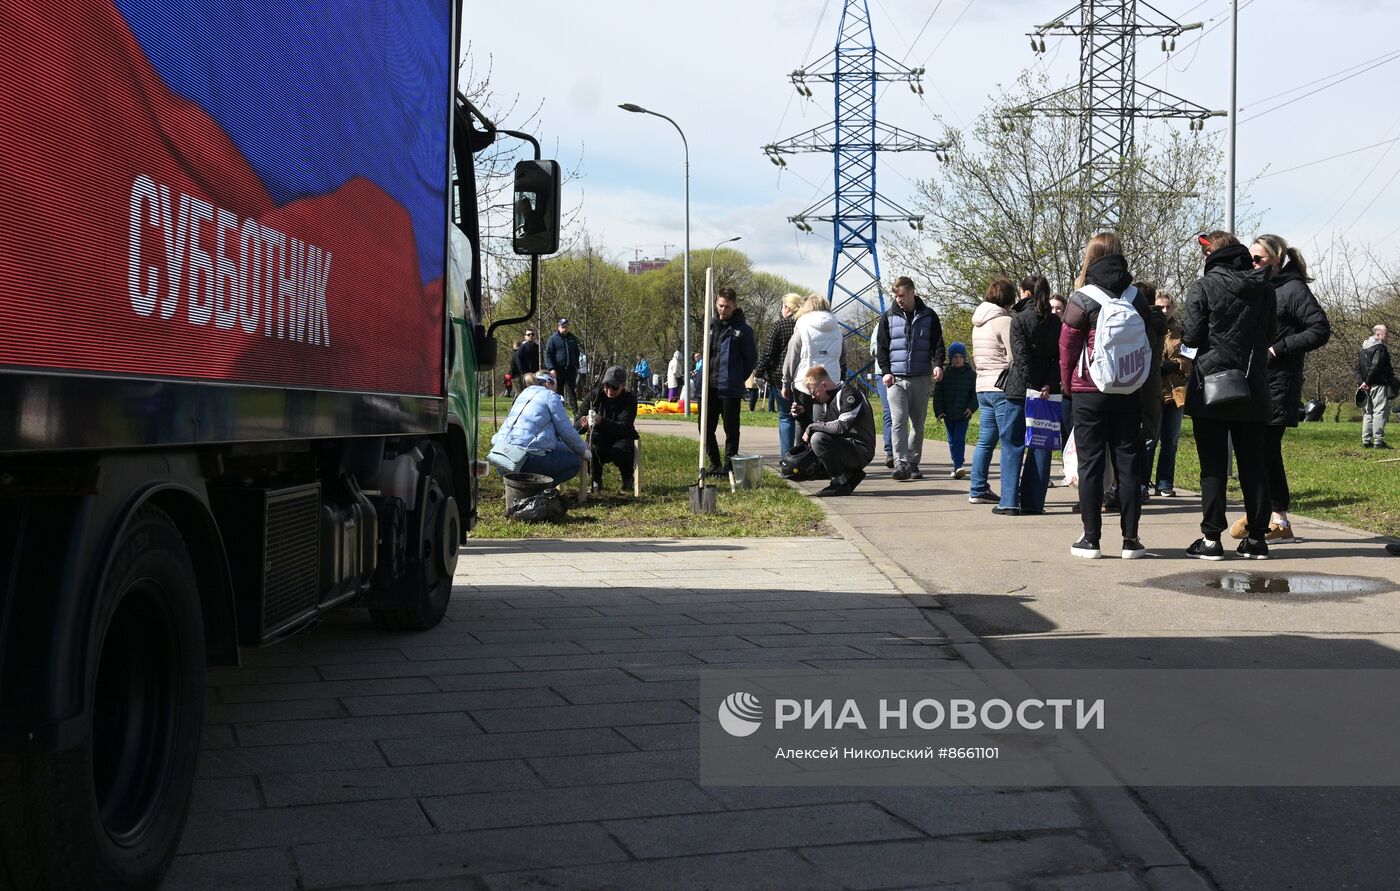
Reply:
x=57, y=547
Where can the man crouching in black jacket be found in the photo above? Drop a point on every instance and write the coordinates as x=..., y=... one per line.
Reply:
x=612, y=411
x=845, y=440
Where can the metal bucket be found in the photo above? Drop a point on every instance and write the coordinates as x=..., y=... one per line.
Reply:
x=748, y=470
x=522, y=485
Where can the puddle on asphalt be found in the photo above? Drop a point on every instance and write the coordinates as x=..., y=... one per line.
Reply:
x=1284, y=587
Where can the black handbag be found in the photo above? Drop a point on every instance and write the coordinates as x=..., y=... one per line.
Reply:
x=1230, y=385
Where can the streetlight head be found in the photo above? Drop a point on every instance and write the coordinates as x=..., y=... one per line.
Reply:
x=735, y=238
x=628, y=106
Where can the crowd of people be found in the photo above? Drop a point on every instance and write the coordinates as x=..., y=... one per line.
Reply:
x=1105, y=375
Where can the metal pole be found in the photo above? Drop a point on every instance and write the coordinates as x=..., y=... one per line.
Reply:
x=685, y=298
x=1234, y=112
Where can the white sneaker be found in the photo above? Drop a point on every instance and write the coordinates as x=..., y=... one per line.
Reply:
x=960, y=473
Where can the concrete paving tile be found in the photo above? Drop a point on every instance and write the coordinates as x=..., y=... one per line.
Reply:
x=274, y=710
x=519, y=679
x=722, y=629
x=757, y=871
x=327, y=689
x=328, y=729
x=224, y=794
x=466, y=700
x=253, y=760
x=776, y=654
x=415, y=669
x=303, y=825
x=632, y=620
x=475, y=650
x=938, y=814
x=285, y=655
x=634, y=767
x=216, y=736
x=655, y=737
x=290, y=674
x=330, y=786
x=600, y=715
x=732, y=831
x=454, y=854
x=1103, y=881
x=952, y=860
x=636, y=691
x=271, y=869
x=504, y=746
x=664, y=644
x=564, y=634
x=576, y=804
x=604, y=660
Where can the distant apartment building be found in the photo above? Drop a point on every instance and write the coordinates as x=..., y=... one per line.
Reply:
x=637, y=267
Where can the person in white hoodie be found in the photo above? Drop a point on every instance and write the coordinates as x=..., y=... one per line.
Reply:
x=817, y=339
x=675, y=373
x=991, y=352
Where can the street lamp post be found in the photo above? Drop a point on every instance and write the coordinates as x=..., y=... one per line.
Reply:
x=685, y=300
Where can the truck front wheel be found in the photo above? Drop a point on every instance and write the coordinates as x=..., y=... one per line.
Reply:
x=108, y=812
x=424, y=592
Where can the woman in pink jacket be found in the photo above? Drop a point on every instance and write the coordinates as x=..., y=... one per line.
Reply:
x=991, y=353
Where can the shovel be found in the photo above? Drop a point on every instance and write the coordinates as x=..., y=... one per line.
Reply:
x=703, y=499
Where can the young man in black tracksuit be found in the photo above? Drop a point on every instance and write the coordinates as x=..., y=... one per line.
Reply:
x=845, y=442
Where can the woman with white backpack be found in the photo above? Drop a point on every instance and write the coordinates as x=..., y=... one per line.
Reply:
x=1104, y=362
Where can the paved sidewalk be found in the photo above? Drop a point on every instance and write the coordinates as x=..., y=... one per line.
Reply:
x=1012, y=582
x=546, y=736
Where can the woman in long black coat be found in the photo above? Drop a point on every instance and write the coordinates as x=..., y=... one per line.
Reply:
x=1302, y=328
x=1230, y=321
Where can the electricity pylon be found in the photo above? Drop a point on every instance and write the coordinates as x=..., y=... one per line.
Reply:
x=855, y=209
x=1109, y=99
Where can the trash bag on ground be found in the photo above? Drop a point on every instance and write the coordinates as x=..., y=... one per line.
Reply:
x=542, y=507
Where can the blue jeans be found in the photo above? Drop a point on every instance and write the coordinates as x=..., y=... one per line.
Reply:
x=957, y=440
x=999, y=417
x=1168, y=435
x=885, y=410
x=787, y=424
x=560, y=465
x=1035, y=479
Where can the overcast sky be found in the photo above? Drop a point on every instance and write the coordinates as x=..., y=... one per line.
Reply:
x=720, y=69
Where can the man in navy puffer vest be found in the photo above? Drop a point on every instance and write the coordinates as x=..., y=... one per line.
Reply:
x=911, y=354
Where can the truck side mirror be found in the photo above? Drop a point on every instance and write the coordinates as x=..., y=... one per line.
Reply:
x=536, y=228
x=485, y=348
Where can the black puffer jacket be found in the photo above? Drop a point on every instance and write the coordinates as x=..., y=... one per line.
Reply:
x=1230, y=320
x=1035, y=353
x=1302, y=328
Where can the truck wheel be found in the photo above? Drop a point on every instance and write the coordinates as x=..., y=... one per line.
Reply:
x=108, y=812
x=427, y=587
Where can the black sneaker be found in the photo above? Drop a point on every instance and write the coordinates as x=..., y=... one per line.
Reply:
x=834, y=490
x=854, y=478
x=627, y=484
x=914, y=472
x=1366, y=445
x=889, y=460
x=901, y=473
x=1165, y=491
x=1006, y=511
x=1085, y=548
x=1253, y=549
x=1206, y=549
x=1144, y=495
x=1133, y=549
x=1381, y=445
x=984, y=498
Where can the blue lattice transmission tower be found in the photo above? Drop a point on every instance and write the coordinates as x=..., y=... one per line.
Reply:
x=855, y=209
x=1109, y=99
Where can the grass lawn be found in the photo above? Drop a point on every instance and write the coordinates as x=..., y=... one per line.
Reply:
x=1330, y=475
x=775, y=509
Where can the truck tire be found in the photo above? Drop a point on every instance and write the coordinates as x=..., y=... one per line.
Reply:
x=108, y=813
x=427, y=587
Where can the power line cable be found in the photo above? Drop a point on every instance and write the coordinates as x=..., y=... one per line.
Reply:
x=1328, y=158
x=1334, y=83
x=1384, y=55
x=806, y=56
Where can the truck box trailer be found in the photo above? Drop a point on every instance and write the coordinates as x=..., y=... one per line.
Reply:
x=239, y=338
